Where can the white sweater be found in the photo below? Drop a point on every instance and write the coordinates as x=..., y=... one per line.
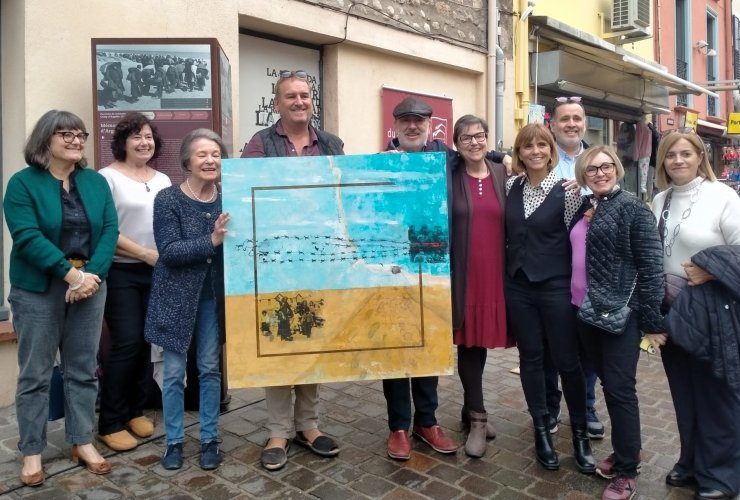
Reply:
x=714, y=219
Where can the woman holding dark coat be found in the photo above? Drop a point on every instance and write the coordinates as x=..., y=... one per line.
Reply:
x=477, y=256
x=699, y=222
x=186, y=302
x=64, y=228
x=538, y=304
x=616, y=262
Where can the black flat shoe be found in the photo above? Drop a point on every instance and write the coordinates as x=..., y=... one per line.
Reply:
x=675, y=478
x=275, y=458
x=712, y=494
x=323, y=446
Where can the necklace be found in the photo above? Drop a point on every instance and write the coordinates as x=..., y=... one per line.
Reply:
x=145, y=182
x=209, y=200
x=668, y=244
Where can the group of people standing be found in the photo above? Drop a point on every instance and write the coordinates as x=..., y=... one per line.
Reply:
x=114, y=244
x=530, y=254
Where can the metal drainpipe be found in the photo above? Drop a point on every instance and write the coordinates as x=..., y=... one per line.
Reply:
x=495, y=68
x=500, y=77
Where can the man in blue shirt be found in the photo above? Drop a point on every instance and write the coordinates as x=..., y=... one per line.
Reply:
x=568, y=125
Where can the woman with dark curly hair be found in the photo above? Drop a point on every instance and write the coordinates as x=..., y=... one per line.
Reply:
x=134, y=185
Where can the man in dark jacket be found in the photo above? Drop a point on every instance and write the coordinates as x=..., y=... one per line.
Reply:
x=412, y=120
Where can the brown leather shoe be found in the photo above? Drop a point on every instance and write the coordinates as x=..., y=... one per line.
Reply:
x=399, y=446
x=98, y=468
x=141, y=426
x=35, y=479
x=119, y=441
x=435, y=437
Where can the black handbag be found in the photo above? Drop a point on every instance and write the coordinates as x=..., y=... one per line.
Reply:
x=613, y=321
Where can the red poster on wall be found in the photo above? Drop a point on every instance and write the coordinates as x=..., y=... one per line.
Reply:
x=441, y=126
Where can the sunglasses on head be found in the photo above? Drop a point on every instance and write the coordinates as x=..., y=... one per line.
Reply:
x=286, y=73
x=680, y=130
x=565, y=100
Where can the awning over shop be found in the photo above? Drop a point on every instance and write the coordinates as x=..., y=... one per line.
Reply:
x=603, y=53
x=705, y=127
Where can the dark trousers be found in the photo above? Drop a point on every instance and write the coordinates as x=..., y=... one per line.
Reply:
x=470, y=364
x=615, y=359
x=708, y=418
x=552, y=383
x=539, y=314
x=126, y=367
x=398, y=393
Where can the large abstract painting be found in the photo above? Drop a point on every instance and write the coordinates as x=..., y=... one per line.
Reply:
x=337, y=268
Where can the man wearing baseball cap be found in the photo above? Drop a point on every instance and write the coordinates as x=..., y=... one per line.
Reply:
x=412, y=120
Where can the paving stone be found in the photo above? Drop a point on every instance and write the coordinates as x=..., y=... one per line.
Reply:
x=260, y=485
x=355, y=413
x=329, y=491
x=439, y=490
x=222, y=491
x=343, y=473
x=408, y=479
x=303, y=479
x=372, y=486
x=447, y=473
x=402, y=494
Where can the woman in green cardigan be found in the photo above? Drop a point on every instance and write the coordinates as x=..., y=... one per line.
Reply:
x=64, y=227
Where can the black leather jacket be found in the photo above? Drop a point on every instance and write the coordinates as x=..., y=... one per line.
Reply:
x=623, y=243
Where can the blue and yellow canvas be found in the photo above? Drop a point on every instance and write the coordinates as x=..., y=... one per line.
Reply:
x=337, y=268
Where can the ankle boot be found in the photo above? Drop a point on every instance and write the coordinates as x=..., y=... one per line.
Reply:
x=475, y=446
x=582, y=450
x=465, y=417
x=543, y=443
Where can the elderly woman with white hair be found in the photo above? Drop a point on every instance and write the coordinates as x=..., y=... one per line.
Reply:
x=189, y=230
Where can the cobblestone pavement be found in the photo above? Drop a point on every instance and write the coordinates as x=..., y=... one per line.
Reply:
x=354, y=412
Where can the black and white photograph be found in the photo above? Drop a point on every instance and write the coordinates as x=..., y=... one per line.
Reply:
x=151, y=77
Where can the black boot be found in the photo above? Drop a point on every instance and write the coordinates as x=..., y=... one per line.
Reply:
x=543, y=443
x=582, y=450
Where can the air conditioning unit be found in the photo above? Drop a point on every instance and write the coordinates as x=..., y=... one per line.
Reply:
x=631, y=15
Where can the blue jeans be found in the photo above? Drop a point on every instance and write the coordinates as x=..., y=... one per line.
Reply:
x=208, y=351
x=45, y=323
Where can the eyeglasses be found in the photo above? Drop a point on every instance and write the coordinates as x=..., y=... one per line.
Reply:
x=286, y=73
x=69, y=137
x=480, y=137
x=606, y=169
x=565, y=100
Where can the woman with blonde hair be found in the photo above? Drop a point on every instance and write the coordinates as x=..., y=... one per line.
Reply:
x=700, y=228
x=616, y=264
x=538, y=301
